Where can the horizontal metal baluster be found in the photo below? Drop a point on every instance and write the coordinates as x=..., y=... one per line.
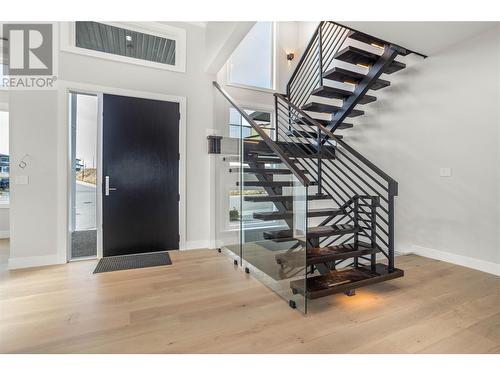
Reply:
x=340, y=151
x=330, y=55
x=358, y=176
x=354, y=182
x=310, y=56
x=332, y=47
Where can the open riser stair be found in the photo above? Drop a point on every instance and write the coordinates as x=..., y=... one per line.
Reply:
x=317, y=209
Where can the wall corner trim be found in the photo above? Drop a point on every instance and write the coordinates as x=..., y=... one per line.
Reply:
x=37, y=261
x=461, y=260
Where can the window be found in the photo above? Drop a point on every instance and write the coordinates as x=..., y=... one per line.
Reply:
x=4, y=71
x=84, y=174
x=237, y=123
x=119, y=41
x=252, y=63
x=4, y=158
x=151, y=44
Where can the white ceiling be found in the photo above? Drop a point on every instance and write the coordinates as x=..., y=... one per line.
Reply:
x=424, y=37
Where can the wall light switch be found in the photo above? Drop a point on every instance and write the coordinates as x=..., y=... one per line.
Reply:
x=21, y=180
x=445, y=172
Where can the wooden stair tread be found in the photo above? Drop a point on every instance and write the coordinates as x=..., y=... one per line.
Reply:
x=358, y=56
x=346, y=75
x=262, y=170
x=326, y=123
x=266, y=183
x=329, y=108
x=336, y=93
x=343, y=280
x=330, y=253
x=266, y=160
x=325, y=254
x=313, y=232
x=318, y=212
x=281, y=198
x=368, y=39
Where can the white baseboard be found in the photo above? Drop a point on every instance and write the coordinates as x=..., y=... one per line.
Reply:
x=192, y=245
x=461, y=260
x=4, y=234
x=38, y=261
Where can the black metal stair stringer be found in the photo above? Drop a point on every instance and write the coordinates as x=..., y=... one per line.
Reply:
x=386, y=59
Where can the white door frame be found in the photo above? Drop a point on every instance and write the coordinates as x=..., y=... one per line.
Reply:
x=65, y=88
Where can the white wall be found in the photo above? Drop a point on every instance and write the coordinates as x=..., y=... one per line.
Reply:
x=38, y=210
x=4, y=222
x=33, y=207
x=442, y=112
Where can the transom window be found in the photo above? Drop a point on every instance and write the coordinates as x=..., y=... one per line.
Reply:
x=152, y=44
x=252, y=63
x=124, y=42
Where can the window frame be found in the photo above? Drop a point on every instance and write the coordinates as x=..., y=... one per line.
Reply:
x=273, y=68
x=4, y=108
x=68, y=43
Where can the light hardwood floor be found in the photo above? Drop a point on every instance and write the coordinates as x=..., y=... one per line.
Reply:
x=203, y=304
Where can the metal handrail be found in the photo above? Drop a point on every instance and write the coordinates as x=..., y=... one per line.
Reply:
x=269, y=142
x=329, y=134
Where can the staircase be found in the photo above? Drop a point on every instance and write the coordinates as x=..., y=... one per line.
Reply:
x=331, y=210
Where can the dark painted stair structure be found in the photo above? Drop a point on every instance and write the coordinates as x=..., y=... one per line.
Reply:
x=307, y=172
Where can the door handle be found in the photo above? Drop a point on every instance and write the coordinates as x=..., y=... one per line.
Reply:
x=107, y=188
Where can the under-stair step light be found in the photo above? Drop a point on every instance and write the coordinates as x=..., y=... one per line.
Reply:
x=377, y=45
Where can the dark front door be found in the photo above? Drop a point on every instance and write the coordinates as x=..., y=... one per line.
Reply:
x=140, y=175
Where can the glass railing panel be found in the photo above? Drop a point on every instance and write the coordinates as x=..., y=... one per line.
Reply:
x=227, y=204
x=273, y=222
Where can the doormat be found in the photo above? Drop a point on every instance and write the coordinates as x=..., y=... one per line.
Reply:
x=130, y=262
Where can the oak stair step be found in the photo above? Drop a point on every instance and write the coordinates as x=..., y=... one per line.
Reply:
x=326, y=123
x=282, y=198
x=262, y=170
x=336, y=93
x=325, y=254
x=313, y=232
x=343, y=280
x=368, y=39
x=302, y=134
x=358, y=56
x=265, y=183
x=277, y=215
x=329, y=108
x=349, y=76
x=268, y=160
